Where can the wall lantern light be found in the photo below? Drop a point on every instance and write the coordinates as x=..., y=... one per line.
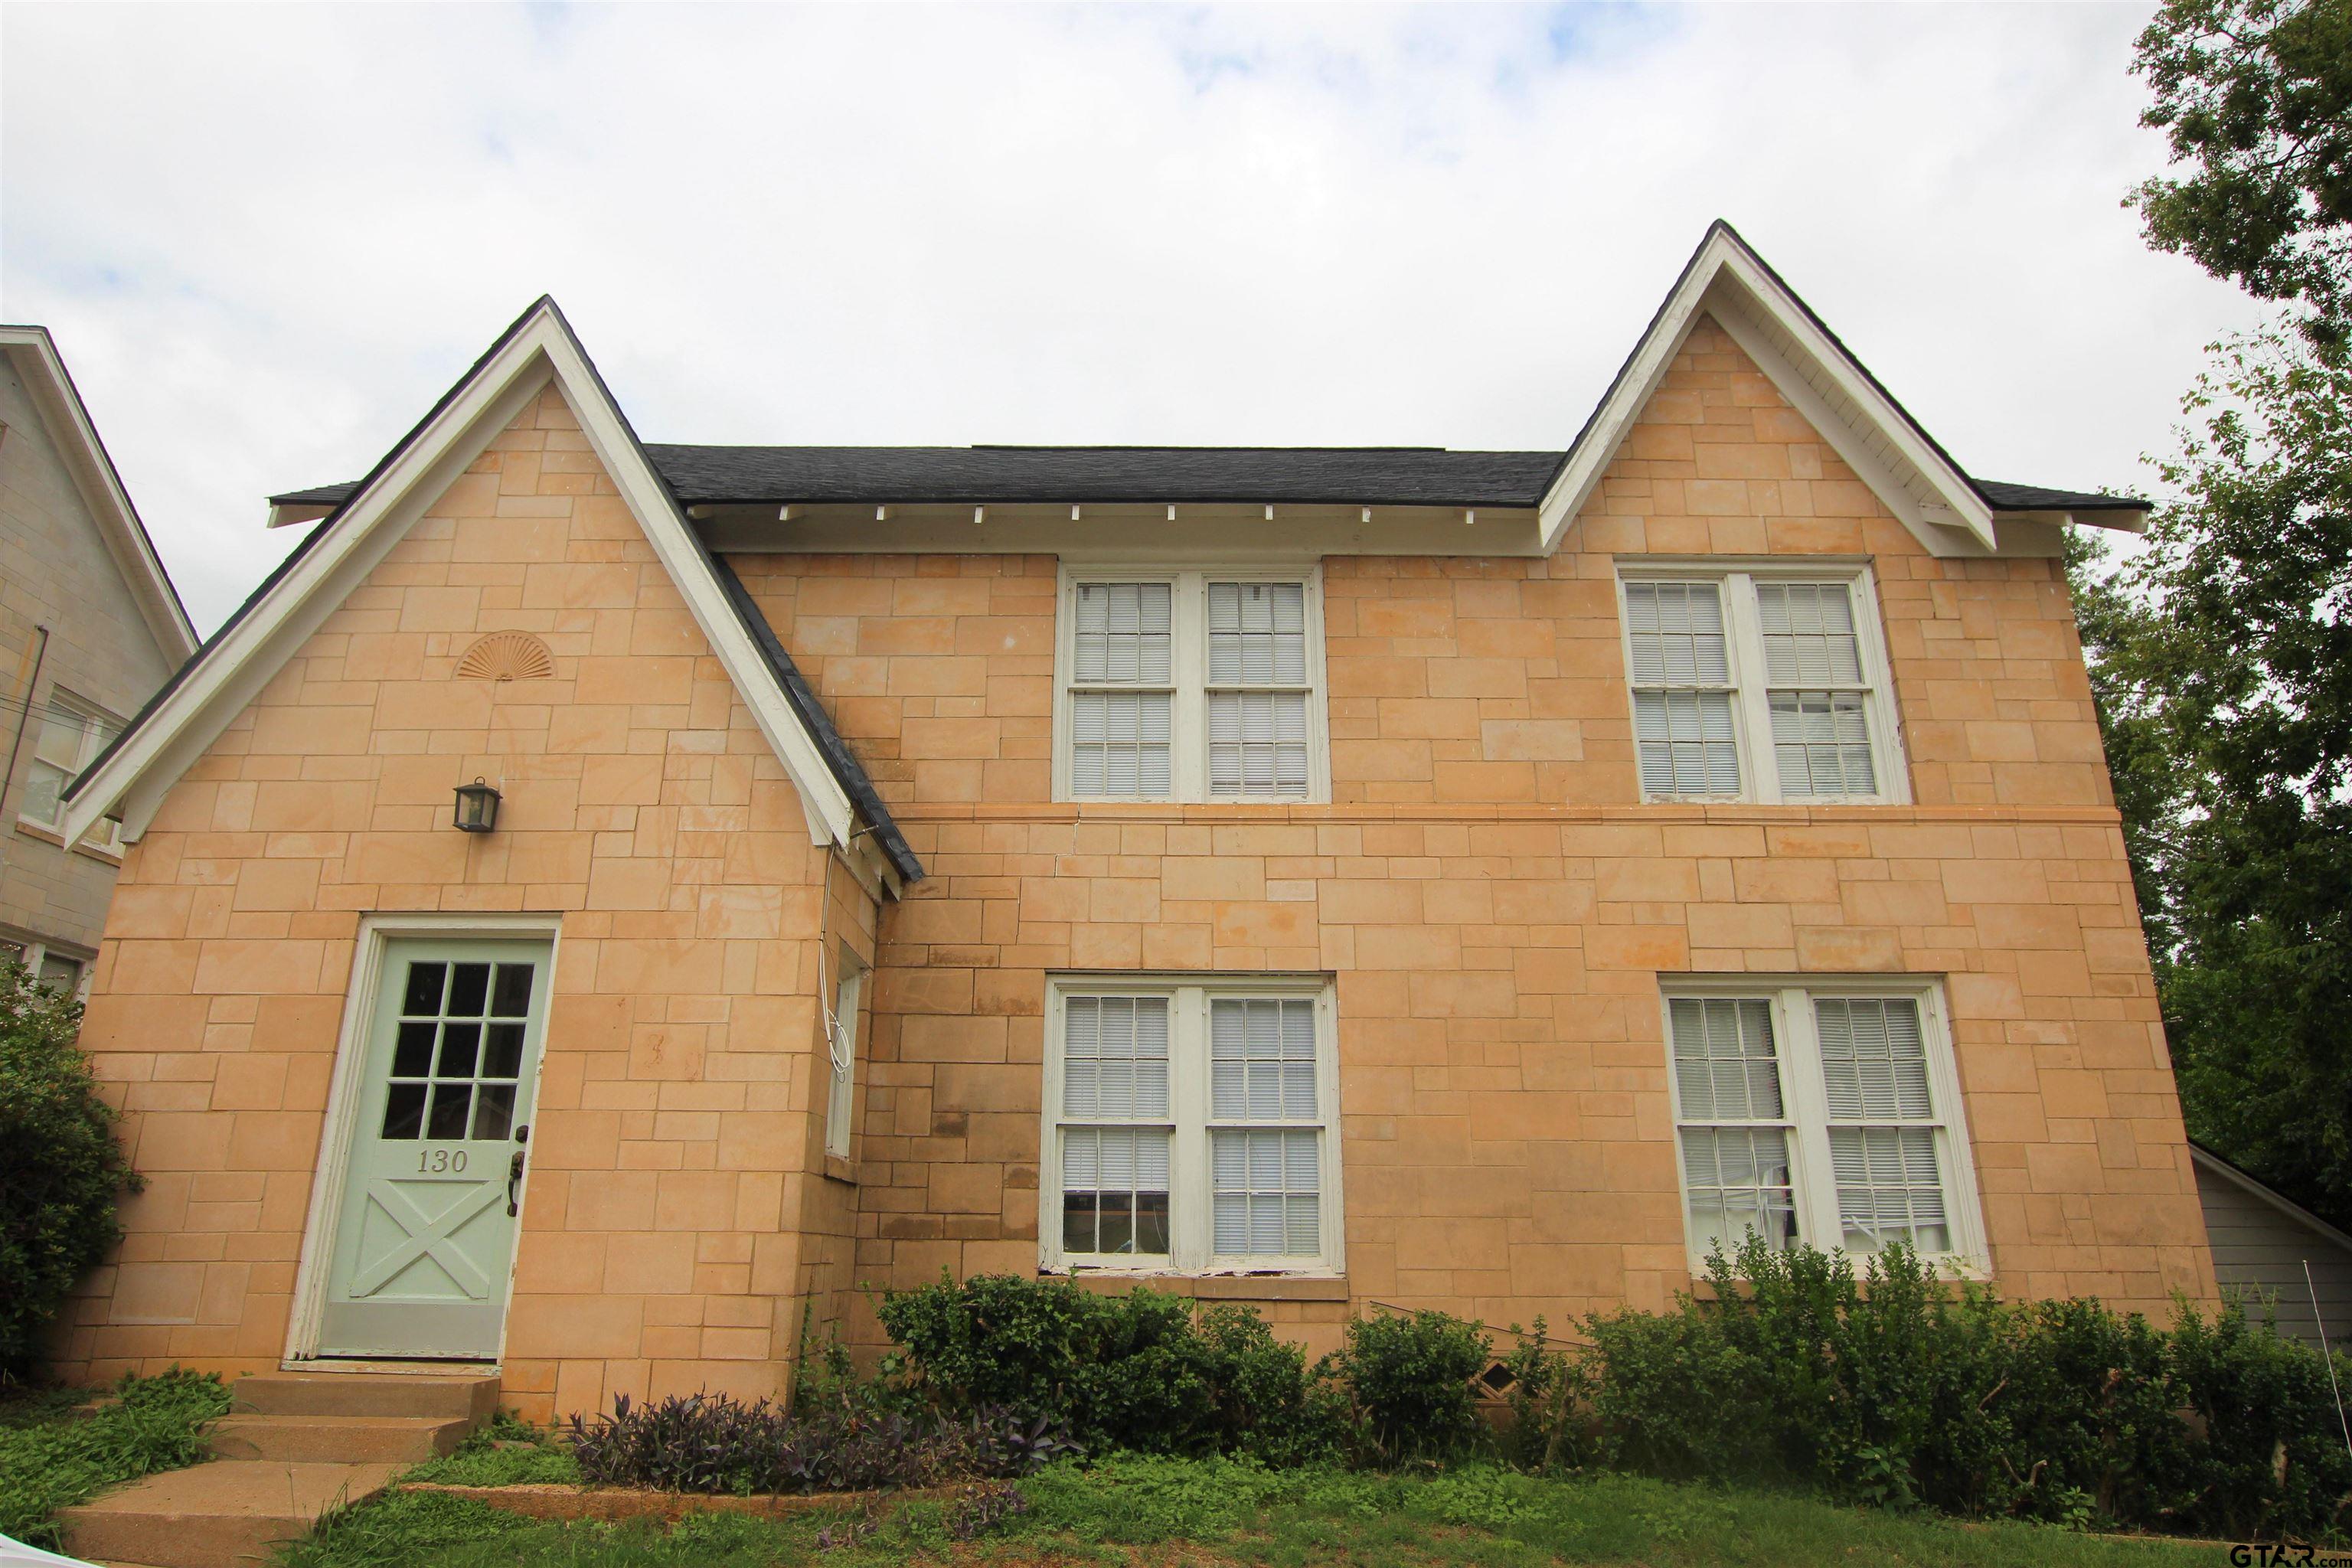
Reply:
x=478, y=808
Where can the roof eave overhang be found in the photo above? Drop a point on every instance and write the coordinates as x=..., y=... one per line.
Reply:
x=1910, y=474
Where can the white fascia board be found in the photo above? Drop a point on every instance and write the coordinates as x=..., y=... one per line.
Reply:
x=1723, y=263
x=823, y=799
x=75, y=439
x=1579, y=476
x=132, y=782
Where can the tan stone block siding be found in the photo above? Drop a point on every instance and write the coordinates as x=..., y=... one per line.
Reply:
x=1496, y=903
x=670, y=1186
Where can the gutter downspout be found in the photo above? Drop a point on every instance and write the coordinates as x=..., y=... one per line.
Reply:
x=24, y=714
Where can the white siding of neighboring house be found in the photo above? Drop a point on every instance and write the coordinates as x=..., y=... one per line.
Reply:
x=2260, y=1243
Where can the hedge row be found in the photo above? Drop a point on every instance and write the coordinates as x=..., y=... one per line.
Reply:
x=1787, y=1368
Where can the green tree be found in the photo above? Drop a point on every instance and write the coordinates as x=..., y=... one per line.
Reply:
x=2256, y=97
x=2223, y=666
x=60, y=1168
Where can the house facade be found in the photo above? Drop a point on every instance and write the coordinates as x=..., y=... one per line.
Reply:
x=90, y=626
x=1308, y=877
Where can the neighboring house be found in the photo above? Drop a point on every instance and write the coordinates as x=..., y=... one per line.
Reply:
x=2287, y=1261
x=90, y=626
x=1471, y=880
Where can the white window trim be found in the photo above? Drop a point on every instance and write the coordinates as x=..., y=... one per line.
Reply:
x=32, y=950
x=1751, y=713
x=1189, y=670
x=104, y=840
x=841, y=1055
x=1190, y=1189
x=1805, y=1107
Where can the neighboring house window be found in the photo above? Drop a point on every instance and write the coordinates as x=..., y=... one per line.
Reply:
x=1191, y=1125
x=49, y=968
x=841, y=1040
x=1765, y=685
x=1822, y=1113
x=72, y=734
x=1195, y=686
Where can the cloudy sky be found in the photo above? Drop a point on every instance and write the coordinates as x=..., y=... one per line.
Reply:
x=267, y=237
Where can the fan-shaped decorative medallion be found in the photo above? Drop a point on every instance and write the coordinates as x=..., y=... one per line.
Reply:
x=506, y=656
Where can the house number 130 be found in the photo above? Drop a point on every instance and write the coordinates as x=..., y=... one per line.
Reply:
x=430, y=1159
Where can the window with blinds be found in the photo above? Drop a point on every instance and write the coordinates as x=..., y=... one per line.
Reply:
x=1820, y=1113
x=1759, y=684
x=1192, y=1125
x=1195, y=685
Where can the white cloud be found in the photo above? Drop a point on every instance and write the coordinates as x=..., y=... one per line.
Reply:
x=268, y=237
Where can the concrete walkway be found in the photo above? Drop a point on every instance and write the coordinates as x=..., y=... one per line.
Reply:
x=299, y=1444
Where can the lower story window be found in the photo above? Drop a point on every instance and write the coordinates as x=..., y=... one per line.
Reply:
x=1825, y=1113
x=1192, y=1124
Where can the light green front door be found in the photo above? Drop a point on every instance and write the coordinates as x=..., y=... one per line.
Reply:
x=426, y=1239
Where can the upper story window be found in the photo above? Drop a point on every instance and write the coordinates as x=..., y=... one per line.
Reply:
x=1191, y=686
x=1191, y=1124
x=1826, y=1113
x=1762, y=684
x=72, y=734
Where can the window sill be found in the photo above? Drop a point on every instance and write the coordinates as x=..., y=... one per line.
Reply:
x=1216, y=1287
x=33, y=827
x=1949, y=1269
x=837, y=1169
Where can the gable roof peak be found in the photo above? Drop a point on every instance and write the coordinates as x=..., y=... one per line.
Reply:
x=1727, y=281
x=538, y=348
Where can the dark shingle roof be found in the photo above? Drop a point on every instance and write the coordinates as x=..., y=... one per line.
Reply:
x=1347, y=476
x=2006, y=497
x=844, y=761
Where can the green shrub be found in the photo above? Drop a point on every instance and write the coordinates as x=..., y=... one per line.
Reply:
x=1408, y=1379
x=1894, y=1388
x=60, y=1168
x=1139, y=1371
x=153, y=1424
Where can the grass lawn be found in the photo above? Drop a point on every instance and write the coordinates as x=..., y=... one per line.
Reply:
x=52, y=1456
x=1214, y=1512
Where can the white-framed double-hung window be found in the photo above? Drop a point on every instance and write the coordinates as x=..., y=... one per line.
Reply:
x=1826, y=1112
x=1764, y=683
x=1191, y=1125
x=72, y=733
x=1191, y=686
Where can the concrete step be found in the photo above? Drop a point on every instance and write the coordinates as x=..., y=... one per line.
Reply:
x=339, y=1439
x=227, y=1514
x=470, y=1398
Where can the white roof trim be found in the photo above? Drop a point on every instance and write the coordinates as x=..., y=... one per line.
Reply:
x=1884, y=446
x=35, y=357
x=190, y=715
x=2213, y=1164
